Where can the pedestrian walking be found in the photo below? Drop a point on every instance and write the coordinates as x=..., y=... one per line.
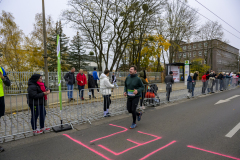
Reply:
x=114, y=80
x=133, y=89
x=70, y=80
x=82, y=81
x=91, y=85
x=191, y=85
x=95, y=77
x=145, y=83
x=169, y=82
x=105, y=88
x=37, y=100
x=4, y=80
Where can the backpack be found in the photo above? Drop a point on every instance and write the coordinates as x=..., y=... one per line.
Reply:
x=204, y=78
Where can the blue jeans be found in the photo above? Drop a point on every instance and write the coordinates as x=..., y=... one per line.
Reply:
x=37, y=111
x=70, y=93
x=193, y=91
x=81, y=91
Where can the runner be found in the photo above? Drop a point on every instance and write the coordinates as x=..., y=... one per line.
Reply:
x=133, y=89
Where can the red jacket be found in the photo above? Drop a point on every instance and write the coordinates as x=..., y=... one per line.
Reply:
x=81, y=77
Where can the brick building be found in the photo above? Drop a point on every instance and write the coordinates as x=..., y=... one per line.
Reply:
x=220, y=56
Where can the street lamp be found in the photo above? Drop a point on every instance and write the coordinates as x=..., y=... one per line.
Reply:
x=45, y=47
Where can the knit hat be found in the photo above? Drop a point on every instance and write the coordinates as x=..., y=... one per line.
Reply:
x=170, y=72
x=35, y=78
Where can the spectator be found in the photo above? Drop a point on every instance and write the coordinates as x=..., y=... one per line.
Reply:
x=82, y=81
x=190, y=85
x=145, y=76
x=205, y=78
x=220, y=77
x=95, y=77
x=91, y=85
x=4, y=80
x=70, y=80
x=145, y=83
x=169, y=82
x=238, y=75
x=133, y=89
x=114, y=79
x=211, y=82
x=105, y=86
x=37, y=99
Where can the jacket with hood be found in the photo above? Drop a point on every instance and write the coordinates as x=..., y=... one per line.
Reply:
x=81, y=77
x=91, y=83
x=141, y=76
x=133, y=82
x=70, y=78
x=35, y=94
x=105, y=85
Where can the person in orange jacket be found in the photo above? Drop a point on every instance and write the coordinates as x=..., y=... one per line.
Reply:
x=82, y=81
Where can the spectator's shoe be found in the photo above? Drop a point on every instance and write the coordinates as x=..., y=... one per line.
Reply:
x=213, y=92
x=192, y=96
x=1, y=149
x=140, y=116
x=107, y=115
x=69, y=100
x=46, y=129
x=134, y=125
x=95, y=97
x=72, y=99
x=82, y=99
x=38, y=131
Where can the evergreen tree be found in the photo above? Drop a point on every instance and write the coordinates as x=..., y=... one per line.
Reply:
x=52, y=49
x=77, y=54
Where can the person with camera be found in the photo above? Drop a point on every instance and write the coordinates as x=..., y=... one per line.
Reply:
x=37, y=100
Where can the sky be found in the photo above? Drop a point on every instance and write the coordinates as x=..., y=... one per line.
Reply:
x=24, y=12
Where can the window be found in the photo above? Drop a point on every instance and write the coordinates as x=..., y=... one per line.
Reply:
x=205, y=62
x=194, y=54
x=205, y=52
x=184, y=55
x=180, y=55
x=205, y=44
x=200, y=45
x=190, y=54
x=189, y=47
x=184, y=47
x=194, y=46
x=200, y=53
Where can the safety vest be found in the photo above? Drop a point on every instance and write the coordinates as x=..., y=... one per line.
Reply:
x=1, y=84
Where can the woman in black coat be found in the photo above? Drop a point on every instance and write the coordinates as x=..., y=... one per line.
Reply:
x=37, y=99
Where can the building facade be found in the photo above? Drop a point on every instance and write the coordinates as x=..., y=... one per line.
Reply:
x=220, y=56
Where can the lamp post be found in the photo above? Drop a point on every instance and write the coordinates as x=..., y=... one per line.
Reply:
x=45, y=47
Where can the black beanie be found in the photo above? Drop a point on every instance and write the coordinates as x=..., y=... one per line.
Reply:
x=35, y=78
x=170, y=72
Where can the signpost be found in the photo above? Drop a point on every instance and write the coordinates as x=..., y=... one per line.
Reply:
x=187, y=70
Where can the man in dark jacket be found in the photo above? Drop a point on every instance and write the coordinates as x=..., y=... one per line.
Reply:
x=169, y=82
x=4, y=80
x=142, y=76
x=133, y=90
x=70, y=80
x=91, y=85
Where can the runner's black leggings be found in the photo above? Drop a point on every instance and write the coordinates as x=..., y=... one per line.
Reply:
x=132, y=104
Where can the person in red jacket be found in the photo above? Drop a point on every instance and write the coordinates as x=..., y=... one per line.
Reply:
x=82, y=81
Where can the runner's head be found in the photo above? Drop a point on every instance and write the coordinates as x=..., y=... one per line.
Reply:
x=133, y=70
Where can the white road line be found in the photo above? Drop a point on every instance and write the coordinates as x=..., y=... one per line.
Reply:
x=233, y=131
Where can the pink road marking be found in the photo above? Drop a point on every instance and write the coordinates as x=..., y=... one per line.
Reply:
x=125, y=129
x=213, y=152
x=138, y=144
x=157, y=150
x=98, y=153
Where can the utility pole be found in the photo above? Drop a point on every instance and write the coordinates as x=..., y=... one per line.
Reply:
x=45, y=47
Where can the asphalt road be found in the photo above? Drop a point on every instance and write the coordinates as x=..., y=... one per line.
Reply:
x=193, y=129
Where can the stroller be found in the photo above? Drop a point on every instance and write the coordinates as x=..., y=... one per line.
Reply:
x=151, y=97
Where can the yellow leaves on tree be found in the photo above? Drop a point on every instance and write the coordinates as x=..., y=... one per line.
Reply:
x=152, y=50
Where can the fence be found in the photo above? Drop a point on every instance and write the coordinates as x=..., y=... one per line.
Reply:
x=16, y=123
x=19, y=80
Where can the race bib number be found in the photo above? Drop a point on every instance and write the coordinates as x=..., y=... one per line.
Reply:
x=130, y=93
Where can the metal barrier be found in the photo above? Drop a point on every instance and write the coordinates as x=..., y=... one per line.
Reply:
x=16, y=123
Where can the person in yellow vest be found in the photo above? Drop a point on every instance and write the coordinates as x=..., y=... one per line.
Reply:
x=4, y=80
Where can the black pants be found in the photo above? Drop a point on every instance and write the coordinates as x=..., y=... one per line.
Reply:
x=37, y=111
x=168, y=93
x=142, y=98
x=2, y=106
x=91, y=90
x=132, y=104
x=107, y=102
x=96, y=84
